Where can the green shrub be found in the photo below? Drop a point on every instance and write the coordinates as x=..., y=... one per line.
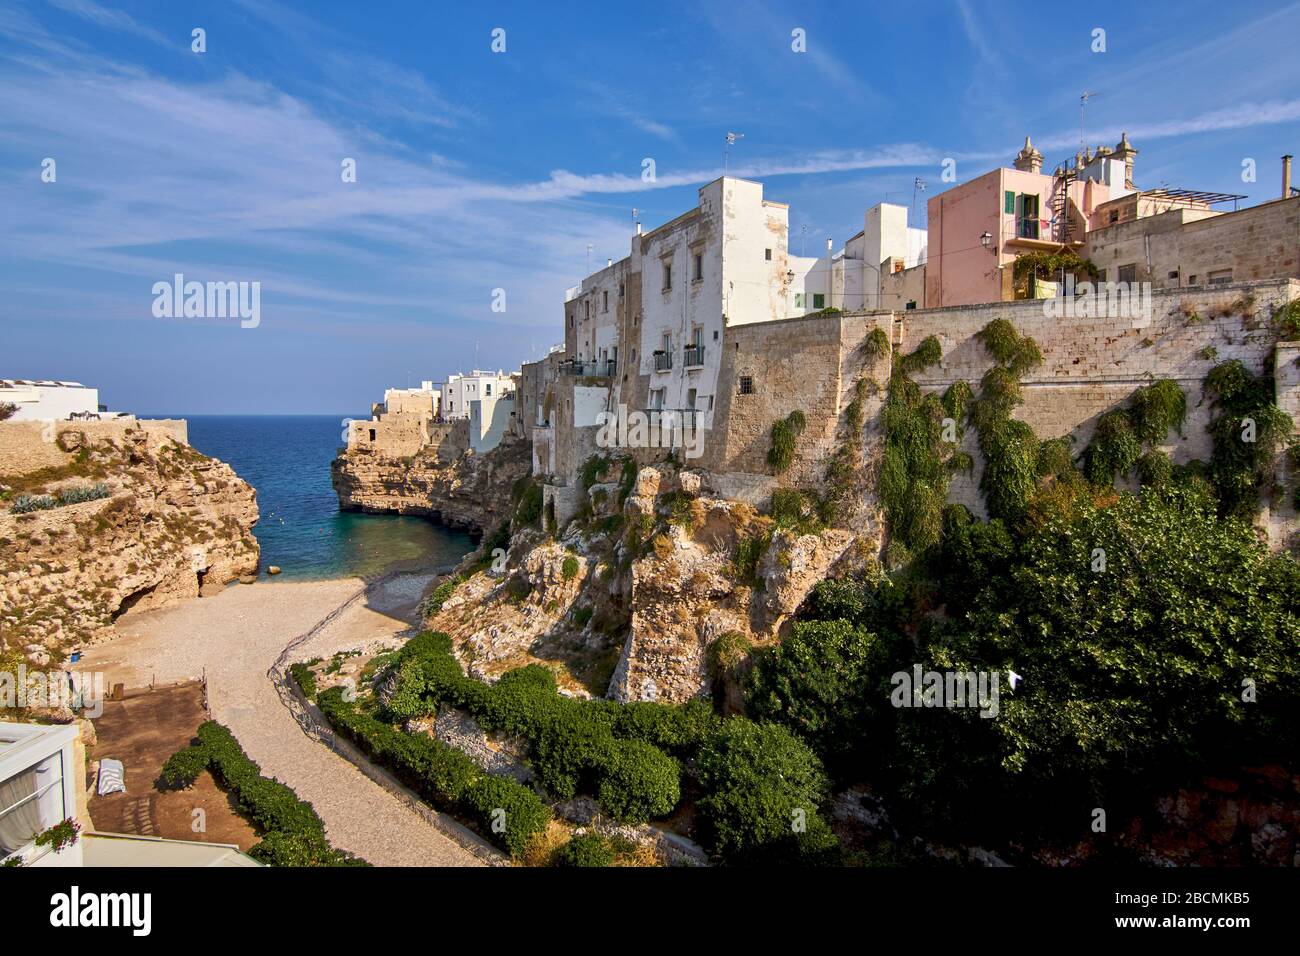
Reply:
x=762, y=790
x=293, y=833
x=433, y=603
x=305, y=678
x=818, y=683
x=184, y=766
x=639, y=782
x=785, y=432
x=507, y=812
x=587, y=849
x=569, y=568
x=529, y=508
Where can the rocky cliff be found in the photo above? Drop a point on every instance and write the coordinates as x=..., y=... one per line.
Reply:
x=651, y=593
x=473, y=491
x=114, y=517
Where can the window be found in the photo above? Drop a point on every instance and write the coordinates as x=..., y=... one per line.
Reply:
x=767, y=254
x=715, y=335
x=620, y=290
x=604, y=300
x=1191, y=280
x=1127, y=273
x=372, y=434
x=746, y=385
x=910, y=305
x=1028, y=223
x=586, y=308
x=668, y=276
x=1114, y=215
x=30, y=801
x=1174, y=274
x=819, y=300
x=1220, y=277
x=798, y=300
x=487, y=389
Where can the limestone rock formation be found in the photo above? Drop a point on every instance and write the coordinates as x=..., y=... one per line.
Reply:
x=172, y=524
x=629, y=600
x=473, y=491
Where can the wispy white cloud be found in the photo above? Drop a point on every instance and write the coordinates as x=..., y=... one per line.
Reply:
x=119, y=20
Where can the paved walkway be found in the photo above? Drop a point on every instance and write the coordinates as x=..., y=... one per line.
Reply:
x=234, y=638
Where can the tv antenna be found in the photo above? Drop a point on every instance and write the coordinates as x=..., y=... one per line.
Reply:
x=1083, y=103
x=726, y=152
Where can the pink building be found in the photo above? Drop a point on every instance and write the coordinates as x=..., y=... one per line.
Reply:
x=979, y=228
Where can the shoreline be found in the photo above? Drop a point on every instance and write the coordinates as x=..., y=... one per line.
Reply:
x=236, y=641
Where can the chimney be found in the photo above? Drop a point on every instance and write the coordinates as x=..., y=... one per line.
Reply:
x=1286, y=176
x=638, y=228
x=830, y=247
x=608, y=262
x=1029, y=160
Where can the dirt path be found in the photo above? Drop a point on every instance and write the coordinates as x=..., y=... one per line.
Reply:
x=234, y=638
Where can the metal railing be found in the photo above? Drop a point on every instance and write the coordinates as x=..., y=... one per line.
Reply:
x=663, y=361
x=576, y=367
x=692, y=355
x=672, y=417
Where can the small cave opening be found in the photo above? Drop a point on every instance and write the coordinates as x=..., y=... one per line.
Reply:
x=131, y=600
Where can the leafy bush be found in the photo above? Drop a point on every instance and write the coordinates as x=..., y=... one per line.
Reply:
x=510, y=812
x=305, y=678
x=818, y=682
x=639, y=782
x=1248, y=432
x=569, y=567
x=1130, y=673
x=293, y=833
x=763, y=787
x=433, y=603
x=574, y=745
x=184, y=766
x=529, y=508
x=785, y=432
x=587, y=849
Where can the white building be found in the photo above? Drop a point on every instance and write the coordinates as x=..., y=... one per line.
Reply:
x=459, y=391
x=42, y=774
x=45, y=400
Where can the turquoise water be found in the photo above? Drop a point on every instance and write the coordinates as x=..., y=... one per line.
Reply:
x=287, y=459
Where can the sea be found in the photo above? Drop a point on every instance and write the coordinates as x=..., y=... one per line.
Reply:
x=287, y=459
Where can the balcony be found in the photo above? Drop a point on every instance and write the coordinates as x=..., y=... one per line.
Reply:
x=663, y=361
x=581, y=368
x=670, y=418
x=692, y=356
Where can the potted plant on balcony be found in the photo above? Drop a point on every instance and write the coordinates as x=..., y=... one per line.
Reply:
x=62, y=834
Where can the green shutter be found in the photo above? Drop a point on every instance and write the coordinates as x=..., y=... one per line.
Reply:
x=1009, y=203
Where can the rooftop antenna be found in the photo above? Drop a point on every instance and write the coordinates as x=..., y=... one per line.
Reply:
x=1083, y=102
x=918, y=186
x=803, y=239
x=726, y=152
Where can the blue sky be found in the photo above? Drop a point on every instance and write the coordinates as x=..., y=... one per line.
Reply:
x=478, y=170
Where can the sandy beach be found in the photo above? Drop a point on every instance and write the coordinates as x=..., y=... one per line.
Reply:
x=232, y=639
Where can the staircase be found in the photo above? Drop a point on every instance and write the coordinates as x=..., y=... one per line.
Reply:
x=1063, y=227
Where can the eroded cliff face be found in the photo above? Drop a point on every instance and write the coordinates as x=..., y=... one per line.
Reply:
x=172, y=524
x=634, y=597
x=472, y=492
